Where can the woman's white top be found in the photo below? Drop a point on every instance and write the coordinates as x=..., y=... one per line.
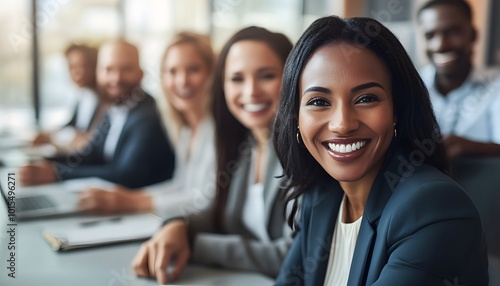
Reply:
x=253, y=216
x=344, y=240
x=253, y=212
x=192, y=186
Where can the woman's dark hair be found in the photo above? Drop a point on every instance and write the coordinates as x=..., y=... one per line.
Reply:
x=416, y=122
x=230, y=133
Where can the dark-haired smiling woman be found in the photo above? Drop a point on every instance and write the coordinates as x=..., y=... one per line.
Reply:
x=356, y=135
x=245, y=228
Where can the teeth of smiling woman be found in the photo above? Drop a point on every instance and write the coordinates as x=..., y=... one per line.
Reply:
x=254, y=107
x=346, y=148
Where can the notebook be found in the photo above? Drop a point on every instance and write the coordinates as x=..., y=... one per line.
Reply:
x=101, y=231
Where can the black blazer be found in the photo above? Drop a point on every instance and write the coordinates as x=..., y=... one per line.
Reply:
x=143, y=155
x=418, y=228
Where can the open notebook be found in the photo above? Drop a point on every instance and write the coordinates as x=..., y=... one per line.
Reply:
x=101, y=231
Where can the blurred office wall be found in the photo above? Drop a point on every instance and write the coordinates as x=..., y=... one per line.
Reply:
x=150, y=24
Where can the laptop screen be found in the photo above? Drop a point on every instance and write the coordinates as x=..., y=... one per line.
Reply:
x=9, y=197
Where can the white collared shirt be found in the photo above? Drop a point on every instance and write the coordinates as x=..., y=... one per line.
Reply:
x=117, y=118
x=471, y=111
x=86, y=108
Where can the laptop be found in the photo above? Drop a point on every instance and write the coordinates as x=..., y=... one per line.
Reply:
x=50, y=199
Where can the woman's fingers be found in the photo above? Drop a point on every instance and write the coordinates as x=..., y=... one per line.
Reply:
x=140, y=261
x=161, y=263
x=180, y=263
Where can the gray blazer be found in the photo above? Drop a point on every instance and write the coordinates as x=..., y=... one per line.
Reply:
x=238, y=248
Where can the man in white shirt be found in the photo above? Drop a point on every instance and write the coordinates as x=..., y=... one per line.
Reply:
x=82, y=62
x=466, y=103
x=130, y=146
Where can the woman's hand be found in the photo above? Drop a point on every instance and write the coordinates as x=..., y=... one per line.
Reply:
x=168, y=245
x=122, y=200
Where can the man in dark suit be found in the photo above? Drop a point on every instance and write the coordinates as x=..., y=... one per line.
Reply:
x=130, y=146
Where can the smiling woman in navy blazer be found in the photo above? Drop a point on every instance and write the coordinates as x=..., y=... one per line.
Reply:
x=356, y=135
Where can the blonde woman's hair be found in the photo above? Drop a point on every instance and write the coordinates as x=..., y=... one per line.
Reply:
x=173, y=119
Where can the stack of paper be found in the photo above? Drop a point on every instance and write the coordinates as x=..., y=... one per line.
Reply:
x=102, y=231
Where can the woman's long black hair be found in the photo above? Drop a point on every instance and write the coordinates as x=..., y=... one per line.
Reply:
x=416, y=122
x=230, y=133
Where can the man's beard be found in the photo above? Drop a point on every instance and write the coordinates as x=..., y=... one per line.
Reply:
x=114, y=99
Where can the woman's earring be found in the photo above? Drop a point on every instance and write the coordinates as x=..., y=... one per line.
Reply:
x=395, y=131
x=298, y=136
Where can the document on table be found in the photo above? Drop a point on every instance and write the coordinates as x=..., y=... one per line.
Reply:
x=101, y=231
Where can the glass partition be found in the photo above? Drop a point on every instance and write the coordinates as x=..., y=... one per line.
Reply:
x=15, y=70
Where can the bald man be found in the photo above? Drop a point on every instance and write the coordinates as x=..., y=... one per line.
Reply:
x=130, y=146
x=118, y=71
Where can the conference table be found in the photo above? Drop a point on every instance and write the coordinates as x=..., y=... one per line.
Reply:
x=37, y=264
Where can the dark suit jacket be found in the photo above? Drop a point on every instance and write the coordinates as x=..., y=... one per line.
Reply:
x=418, y=228
x=143, y=155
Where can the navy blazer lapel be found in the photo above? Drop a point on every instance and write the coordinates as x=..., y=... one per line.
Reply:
x=322, y=223
x=135, y=107
x=380, y=193
x=375, y=204
x=361, y=253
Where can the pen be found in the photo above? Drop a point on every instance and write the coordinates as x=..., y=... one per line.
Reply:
x=94, y=222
